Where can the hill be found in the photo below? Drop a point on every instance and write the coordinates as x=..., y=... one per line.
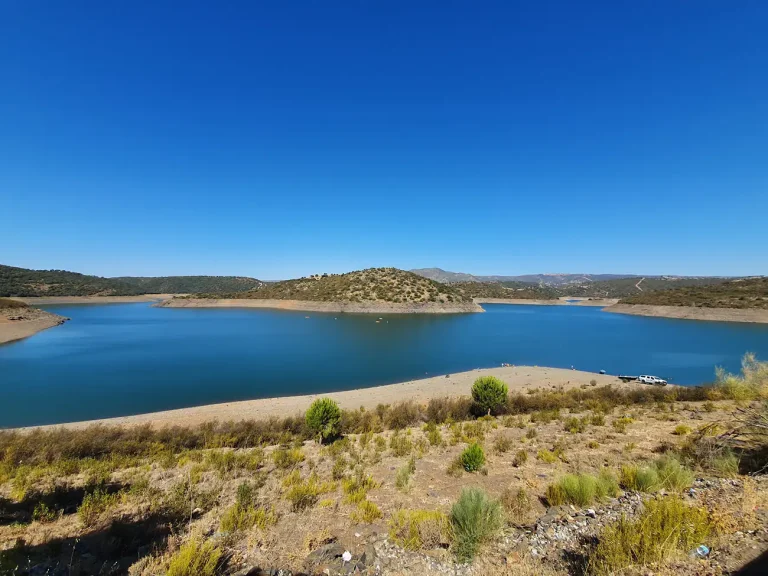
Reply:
x=8, y=304
x=23, y=282
x=514, y=290
x=623, y=287
x=557, y=280
x=745, y=293
x=371, y=285
x=190, y=284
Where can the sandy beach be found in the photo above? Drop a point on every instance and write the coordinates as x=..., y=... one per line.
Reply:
x=18, y=323
x=518, y=378
x=692, y=313
x=312, y=306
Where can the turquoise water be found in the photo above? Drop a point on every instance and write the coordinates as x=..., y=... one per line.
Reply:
x=113, y=360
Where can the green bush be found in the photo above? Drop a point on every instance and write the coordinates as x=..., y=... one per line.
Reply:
x=666, y=472
x=665, y=527
x=94, y=505
x=420, y=529
x=473, y=458
x=521, y=457
x=195, y=559
x=489, y=394
x=324, y=419
x=475, y=518
x=581, y=489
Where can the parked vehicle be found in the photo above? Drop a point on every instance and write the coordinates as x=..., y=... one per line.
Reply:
x=654, y=380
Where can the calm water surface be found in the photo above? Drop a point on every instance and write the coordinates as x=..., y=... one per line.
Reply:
x=113, y=360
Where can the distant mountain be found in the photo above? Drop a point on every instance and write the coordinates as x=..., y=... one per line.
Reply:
x=444, y=276
x=23, y=282
x=190, y=284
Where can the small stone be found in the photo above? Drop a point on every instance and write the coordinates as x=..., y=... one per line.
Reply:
x=591, y=513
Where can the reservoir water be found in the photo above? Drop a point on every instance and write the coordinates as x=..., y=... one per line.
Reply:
x=114, y=360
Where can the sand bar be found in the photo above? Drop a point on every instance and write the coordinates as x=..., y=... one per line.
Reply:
x=693, y=313
x=314, y=306
x=519, y=378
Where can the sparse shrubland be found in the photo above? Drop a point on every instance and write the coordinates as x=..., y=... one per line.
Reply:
x=195, y=499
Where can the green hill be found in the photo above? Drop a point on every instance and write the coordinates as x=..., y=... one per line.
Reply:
x=371, y=285
x=741, y=293
x=23, y=282
x=624, y=287
x=191, y=284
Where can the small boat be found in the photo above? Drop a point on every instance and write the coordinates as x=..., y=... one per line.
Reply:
x=625, y=378
x=602, y=371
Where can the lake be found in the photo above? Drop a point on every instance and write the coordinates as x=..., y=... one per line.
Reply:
x=114, y=360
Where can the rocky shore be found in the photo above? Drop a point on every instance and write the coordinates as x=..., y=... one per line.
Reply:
x=752, y=315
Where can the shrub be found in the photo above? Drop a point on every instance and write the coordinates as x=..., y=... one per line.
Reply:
x=665, y=473
x=531, y=433
x=420, y=529
x=489, y=394
x=581, y=489
x=43, y=514
x=195, y=559
x=575, y=425
x=521, y=457
x=433, y=434
x=357, y=487
x=546, y=456
x=94, y=505
x=472, y=458
x=681, y=430
x=665, y=527
x=517, y=503
x=502, y=444
x=592, y=444
x=400, y=444
x=475, y=518
x=366, y=512
x=303, y=494
x=324, y=419
x=241, y=517
x=287, y=458
x=597, y=419
x=403, y=476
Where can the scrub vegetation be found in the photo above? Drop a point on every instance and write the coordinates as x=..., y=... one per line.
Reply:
x=225, y=497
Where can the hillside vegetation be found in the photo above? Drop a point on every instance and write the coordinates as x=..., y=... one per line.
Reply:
x=8, y=304
x=505, y=290
x=190, y=284
x=623, y=287
x=23, y=282
x=371, y=285
x=742, y=293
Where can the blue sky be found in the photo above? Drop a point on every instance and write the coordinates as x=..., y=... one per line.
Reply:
x=276, y=139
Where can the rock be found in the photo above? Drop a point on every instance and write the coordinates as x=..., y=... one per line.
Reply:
x=325, y=554
x=591, y=513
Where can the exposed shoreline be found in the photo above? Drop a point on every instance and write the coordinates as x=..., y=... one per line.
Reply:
x=19, y=323
x=50, y=300
x=518, y=378
x=562, y=301
x=692, y=313
x=313, y=306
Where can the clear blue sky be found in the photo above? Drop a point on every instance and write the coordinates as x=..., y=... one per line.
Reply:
x=276, y=139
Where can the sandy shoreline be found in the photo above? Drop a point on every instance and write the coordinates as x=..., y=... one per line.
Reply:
x=310, y=306
x=692, y=313
x=18, y=323
x=564, y=301
x=519, y=378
